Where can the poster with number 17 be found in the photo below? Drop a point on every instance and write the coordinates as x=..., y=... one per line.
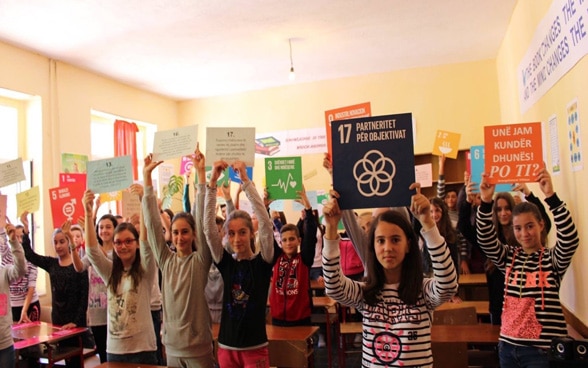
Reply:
x=373, y=161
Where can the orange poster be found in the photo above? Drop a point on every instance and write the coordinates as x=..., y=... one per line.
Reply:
x=446, y=143
x=361, y=110
x=514, y=152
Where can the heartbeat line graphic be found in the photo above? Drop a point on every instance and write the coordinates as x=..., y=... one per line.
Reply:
x=285, y=185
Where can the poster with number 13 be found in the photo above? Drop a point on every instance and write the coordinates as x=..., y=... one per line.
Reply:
x=373, y=161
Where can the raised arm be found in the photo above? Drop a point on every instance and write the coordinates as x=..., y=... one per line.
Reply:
x=19, y=268
x=209, y=221
x=308, y=246
x=199, y=162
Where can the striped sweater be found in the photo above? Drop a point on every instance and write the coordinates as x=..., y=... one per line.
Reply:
x=395, y=334
x=532, y=313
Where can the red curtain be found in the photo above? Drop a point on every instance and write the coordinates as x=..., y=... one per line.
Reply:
x=125, y=143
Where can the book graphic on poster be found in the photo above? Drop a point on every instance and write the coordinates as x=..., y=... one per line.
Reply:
x=268, y=146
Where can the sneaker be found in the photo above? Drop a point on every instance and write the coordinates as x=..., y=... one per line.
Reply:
x=357, y=341
x=321, y=341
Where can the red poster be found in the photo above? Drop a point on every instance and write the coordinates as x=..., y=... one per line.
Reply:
x=67, y=179
x=66, y=204
x=514, y=152
x=361, y=110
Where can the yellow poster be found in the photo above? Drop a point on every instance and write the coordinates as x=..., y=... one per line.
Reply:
x=29, y=200
x=446, y=143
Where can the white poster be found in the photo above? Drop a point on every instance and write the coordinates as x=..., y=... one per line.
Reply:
x=291, y=142
x=554, y=143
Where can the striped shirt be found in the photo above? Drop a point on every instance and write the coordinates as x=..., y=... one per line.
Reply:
x=395, y=334
x=532, y=314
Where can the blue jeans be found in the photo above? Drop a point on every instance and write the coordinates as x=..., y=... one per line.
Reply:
x=7, y=357
x=143, y=357
x=514, y=356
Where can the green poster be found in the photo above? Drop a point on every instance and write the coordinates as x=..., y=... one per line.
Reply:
x=283, y=177
x=73, y=163
x=223, y=178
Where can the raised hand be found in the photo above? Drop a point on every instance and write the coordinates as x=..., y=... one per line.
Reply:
x=486, y=189
x=24, y=220
x=11, y=231
x=421, y=207
x=327, y=163
x=332, y=214
x=149, y=166
x=545, y=184
x=88, y=201
x=226, y=190
x=521, y=187
x=198, y=159
x=240, y=169
x=217, y=169
x=303, y=198
x=136, y=189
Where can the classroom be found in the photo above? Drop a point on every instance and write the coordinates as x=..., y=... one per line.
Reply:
x=462, y=97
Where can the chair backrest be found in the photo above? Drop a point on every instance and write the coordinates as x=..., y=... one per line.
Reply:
x=458, y=316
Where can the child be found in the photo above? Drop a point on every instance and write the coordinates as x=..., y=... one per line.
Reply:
x=129, y=280
x=532, y=313
x=69, y=290
x=290, y=296
x=395, y=301
x=187, y=327
x=9, y=274
x=242, y=340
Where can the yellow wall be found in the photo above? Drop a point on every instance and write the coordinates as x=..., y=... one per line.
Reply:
x=458, y=97
x=527, y=15
x=67, y=95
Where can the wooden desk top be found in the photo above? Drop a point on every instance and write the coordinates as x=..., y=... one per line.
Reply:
x=276, y=333
x=482, y=307
x=127, y=365
x=34, y=333
x=314, y=284
x=473, y=279
x=482, y=333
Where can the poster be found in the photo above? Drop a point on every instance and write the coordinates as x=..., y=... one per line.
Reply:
x=574, y=136
x=73, y=163
x=230, y=144
x=446, y=143
x=514, y=152
x=66, y=179
x=361, y=110
x=29, y=201
x=283, y=177
x=554, y=140
x=66, y=204
x=476, y=158
x=110, y=175
x=169, y=144
x=11, y=172
x=131, y=205
x=373, y=161
x=424, y=175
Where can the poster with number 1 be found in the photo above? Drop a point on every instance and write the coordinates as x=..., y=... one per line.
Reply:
x=373, y=161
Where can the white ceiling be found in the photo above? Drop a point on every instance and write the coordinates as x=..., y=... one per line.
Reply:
x=187, y=49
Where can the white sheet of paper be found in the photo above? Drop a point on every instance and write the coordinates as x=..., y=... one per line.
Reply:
x=424, y=175
x=230, y=144
x=175, y=143
x=11, y=172
x=110, y=175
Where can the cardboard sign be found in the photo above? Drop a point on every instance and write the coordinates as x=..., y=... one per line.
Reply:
x=230, y=144
x=67, y=179
x=175, y=143
x=29, y=200
x=283, y=176
x=361, y=110
x=11, y=172
x=514, y=152
x=476, y=159
x=446, y=143
x=373, y=161
x=186, y=165
x=110, y=175
x=66, y=204
x=131, y=205
x=73, y=163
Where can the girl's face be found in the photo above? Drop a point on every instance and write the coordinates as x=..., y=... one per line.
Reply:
x=290, y=242
x=391, y=246
x=504, y=212
x=240, y=238
x=451, y=200
x=105, y=230
x=125, y=246
x=61, y=245
x=78, y=239
x=436, y=213
x=527, y=231
x=182, y=236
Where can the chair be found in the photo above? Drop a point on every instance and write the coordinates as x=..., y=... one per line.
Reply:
x=447, y=356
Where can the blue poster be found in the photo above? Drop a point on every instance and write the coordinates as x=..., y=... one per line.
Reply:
x=477, y=162
x=373, y=161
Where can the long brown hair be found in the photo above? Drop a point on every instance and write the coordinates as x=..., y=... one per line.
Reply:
x=136, y=271
x=411, y=277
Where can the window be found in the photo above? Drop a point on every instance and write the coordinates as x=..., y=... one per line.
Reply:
x=102, y=130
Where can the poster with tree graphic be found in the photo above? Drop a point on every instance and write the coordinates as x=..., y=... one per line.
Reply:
x=373, y=161
x=283, y=177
